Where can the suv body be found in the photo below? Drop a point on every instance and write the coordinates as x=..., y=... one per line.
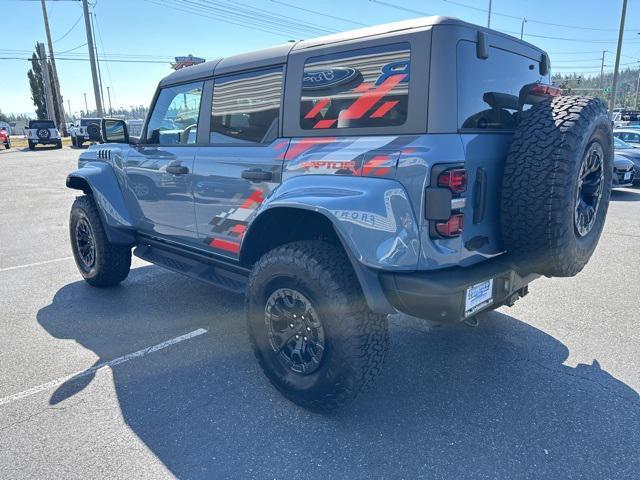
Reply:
x=79, y=133
x=43, y=132
x=361, y=140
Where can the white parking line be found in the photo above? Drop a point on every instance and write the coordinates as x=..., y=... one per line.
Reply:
x=111, y=363
x=16, y=267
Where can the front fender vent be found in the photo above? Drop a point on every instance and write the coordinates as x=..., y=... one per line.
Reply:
x=104, y=154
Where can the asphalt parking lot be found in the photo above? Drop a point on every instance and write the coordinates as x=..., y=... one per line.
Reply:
x=546, y=389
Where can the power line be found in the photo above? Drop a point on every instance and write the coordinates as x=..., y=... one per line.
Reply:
x=529, y=20
x=398, y=7
x=70, y=30
x=342, y=19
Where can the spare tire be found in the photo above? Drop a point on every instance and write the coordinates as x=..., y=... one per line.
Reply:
x=556, y=185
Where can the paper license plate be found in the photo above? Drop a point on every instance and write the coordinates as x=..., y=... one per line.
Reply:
x=478, y=296
x=627, y=176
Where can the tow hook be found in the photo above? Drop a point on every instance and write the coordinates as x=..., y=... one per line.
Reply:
x=510, y=302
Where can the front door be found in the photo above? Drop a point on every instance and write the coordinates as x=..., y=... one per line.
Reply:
x=160, y=170
x=243, y=162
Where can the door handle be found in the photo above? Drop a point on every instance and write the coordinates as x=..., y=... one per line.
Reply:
x=177, y=169
x=255, y=174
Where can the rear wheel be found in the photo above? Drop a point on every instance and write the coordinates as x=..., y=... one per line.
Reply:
x=310, y=327
x=556, y=185
x=101, y=263
x=59, y=144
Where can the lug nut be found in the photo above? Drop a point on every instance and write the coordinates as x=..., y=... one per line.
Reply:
x=305, y=339
x=297, y=337
x=291, y=325
x=308, y=329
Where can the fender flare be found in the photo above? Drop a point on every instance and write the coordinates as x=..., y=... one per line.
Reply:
x=99, y=180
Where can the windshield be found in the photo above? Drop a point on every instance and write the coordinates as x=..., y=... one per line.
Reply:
x=41, y=124
x=619, y=144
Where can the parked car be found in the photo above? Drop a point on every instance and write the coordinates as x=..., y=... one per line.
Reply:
x=43, y=132
x=628, y=135
x=86, y=129
x=623, y=149
x=425, y=167
x=5, y=138
x=623, y=172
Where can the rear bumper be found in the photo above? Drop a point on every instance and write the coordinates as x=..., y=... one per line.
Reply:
x=441, y=295
x=52, y=141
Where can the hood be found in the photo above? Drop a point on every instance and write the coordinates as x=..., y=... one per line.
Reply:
x=630, y=153
x=622, y=163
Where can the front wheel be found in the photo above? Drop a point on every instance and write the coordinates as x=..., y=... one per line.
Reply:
x=32, y=146
x=310, y=327
x=101, y=263
x=7, y=145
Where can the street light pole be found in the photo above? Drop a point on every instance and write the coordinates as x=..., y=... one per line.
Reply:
x=86, y=107
x=55, y=85
x=489, y=17
x=637, y=88
x=109, y=96
x=524, y=20
x=614, y=87
x=602, y=70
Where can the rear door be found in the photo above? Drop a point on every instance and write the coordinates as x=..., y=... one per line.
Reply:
x=159, y=171
x=242, y=162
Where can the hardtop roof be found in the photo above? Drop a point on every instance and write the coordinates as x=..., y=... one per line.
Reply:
x=278, y=54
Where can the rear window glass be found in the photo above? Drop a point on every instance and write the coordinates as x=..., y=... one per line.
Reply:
x=87, y=121
x=41, y=124
x=357, y=89
x=488, y=89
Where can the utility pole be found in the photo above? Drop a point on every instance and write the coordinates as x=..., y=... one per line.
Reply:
x=602, y=70
x=614, y=87
x=86, y=107
x=92, y=58
x=69, y=105
x=524, y=20
x=62, y=121
x=47, y=81
x=489, y=17
x=93, y=28
x=109, y=96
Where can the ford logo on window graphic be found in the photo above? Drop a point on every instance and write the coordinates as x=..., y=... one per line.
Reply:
x=330, y=77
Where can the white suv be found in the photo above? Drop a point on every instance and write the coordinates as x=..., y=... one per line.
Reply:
x=43, y=132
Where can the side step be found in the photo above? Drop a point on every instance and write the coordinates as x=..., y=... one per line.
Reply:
x=199, y=268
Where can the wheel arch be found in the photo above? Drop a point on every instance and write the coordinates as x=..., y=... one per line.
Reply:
x=99, y=180
x=304, y=223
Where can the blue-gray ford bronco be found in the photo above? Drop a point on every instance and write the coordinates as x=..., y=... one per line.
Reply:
x=426, y=167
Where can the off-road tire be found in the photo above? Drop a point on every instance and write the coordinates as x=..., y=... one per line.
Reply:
x=540, y=184
x=112, y=262
x=32, y=146
x=356, y=339
x=7, y=145
x=73, y=142
x=59, y=144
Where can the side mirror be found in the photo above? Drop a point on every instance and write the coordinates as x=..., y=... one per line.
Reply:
x=114, y=131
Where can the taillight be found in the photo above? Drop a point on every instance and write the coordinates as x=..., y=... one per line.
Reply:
x=544, y=90
x=452, y=227
x=454, y=179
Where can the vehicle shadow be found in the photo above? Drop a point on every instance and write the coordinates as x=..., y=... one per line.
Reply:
x=457, y=402
x=625, y=195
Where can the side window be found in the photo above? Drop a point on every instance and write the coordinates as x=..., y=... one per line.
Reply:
x=174, y=120
x=361, y=88
x=488, y=88
x=246, y=107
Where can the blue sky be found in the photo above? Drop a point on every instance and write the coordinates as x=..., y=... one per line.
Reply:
x=155, y=30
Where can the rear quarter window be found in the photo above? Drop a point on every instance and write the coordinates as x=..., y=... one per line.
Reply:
x=360, y=88
x=488, y=88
